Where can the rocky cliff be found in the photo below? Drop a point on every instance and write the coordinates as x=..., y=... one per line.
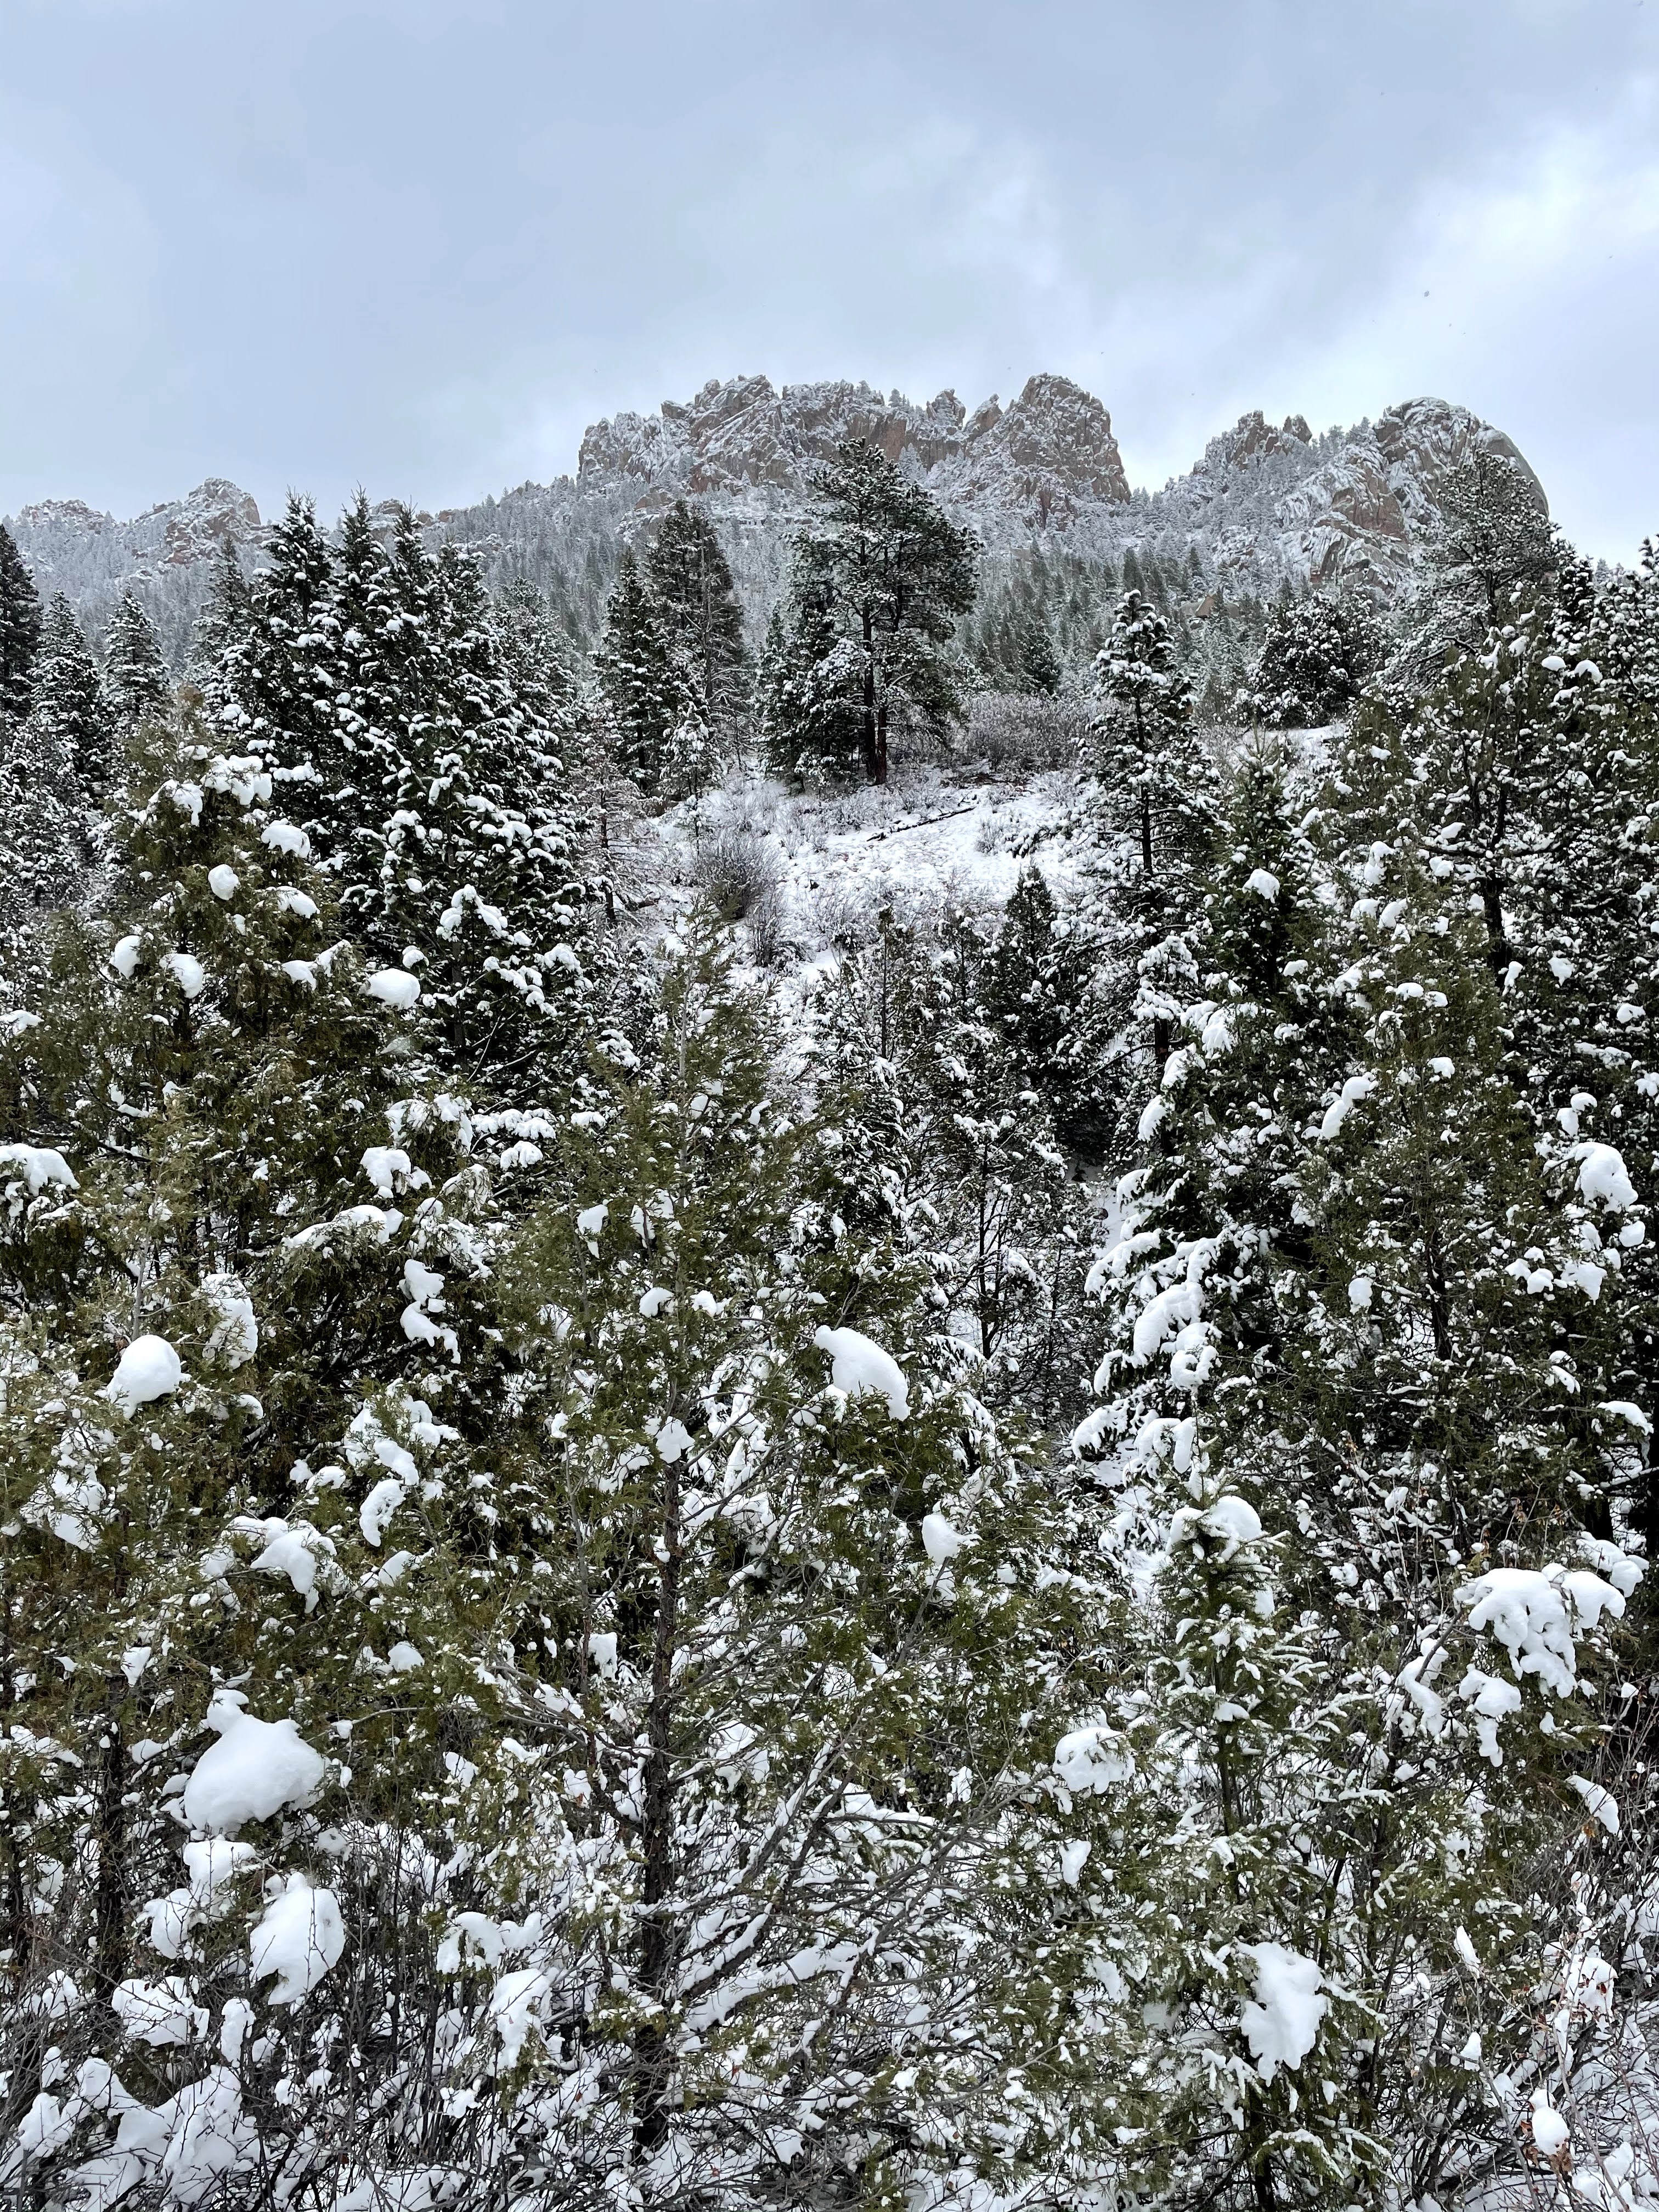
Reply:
x=1042, y=463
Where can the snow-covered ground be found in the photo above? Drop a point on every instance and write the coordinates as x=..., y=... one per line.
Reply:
x=930, y=840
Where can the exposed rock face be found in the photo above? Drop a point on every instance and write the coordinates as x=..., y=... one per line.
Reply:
x=57, y=532
x=1359, y=522
x=1044, y=462
x=159, y=556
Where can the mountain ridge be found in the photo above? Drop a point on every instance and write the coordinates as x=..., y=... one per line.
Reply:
x=1346, y=510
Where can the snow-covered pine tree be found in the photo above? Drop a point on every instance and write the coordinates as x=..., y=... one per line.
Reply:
x=794, y=1644
x=249, y=1274
x=692, y=579
x=1157, y=811
x=809, y=713
x=647, y=693
x=1036, y=986
x=881, y=577
x=373, y=678
x=952, y=1149
x=68, y=740
x=218, y=627
x=19, y=631
x=1382, y=1307
x=136, y=679
x=476, y=879
x=1040, y=668
x=1315, y=660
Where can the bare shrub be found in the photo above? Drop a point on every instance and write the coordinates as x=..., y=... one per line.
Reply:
x=1028, y=729
x=739, y=873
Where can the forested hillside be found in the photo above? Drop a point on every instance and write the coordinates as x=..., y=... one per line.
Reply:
x=695, y=1518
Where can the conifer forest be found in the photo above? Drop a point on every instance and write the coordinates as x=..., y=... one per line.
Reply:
x=693, y=1516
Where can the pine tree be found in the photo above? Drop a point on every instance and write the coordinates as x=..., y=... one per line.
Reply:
x=240, y=1252
x=67, y=744
x=136, y=680
x=1037, y=987
x=1155, y=784
x=1493, y=536
x=374, y=680
x=19, y=631
x=692, y=579
x=1315, y=660
x=647, y=695
x=881, y=576
x=779, y=1545
x=219, y=628
x=1040, y=668
x=810, y=721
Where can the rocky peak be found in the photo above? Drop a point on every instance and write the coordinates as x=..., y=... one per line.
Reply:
x=217, y=513
x=1048, y=458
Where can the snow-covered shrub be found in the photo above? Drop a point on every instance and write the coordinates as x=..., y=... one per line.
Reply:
x=1022, y=730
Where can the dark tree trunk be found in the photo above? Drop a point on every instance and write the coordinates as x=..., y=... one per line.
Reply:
x=651, y=2049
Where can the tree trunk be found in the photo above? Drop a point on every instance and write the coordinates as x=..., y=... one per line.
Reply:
x=875, y=764
x=651, y=2049
x=111, y=1947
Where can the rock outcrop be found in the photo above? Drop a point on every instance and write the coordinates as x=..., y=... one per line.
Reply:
x=1042, y=463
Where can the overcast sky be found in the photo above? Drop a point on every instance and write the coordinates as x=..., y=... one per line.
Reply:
x=419, y=244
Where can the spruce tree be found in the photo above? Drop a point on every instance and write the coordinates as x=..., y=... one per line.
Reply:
x=67, y=745
x=136, y=680
x=1155, y=783
x=647, y=694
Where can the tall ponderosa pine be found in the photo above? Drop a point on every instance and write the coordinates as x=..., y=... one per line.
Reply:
x=1315, y=660
x=882, y=576
x=20, y=630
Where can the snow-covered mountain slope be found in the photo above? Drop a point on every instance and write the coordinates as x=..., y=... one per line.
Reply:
x=1347, y=509
x=165, y=556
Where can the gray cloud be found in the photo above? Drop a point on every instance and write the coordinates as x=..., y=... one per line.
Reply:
x=421, y=245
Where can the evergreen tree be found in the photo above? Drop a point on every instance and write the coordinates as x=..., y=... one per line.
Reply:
x=811, y=722
x=692, y=579
x=218, y=629
x=881, y=576
x=1040, y=668
x=1156, y=808
x=136, y=680
x=374, y=679
x=19, y=631
x=647, y=695
x=1038, y=987
x=1493, y=536
x=1315, y=660
x=66, y=746
x=239, y=1253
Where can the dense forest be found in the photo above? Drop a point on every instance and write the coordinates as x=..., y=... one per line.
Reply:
x=1001, y=1569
